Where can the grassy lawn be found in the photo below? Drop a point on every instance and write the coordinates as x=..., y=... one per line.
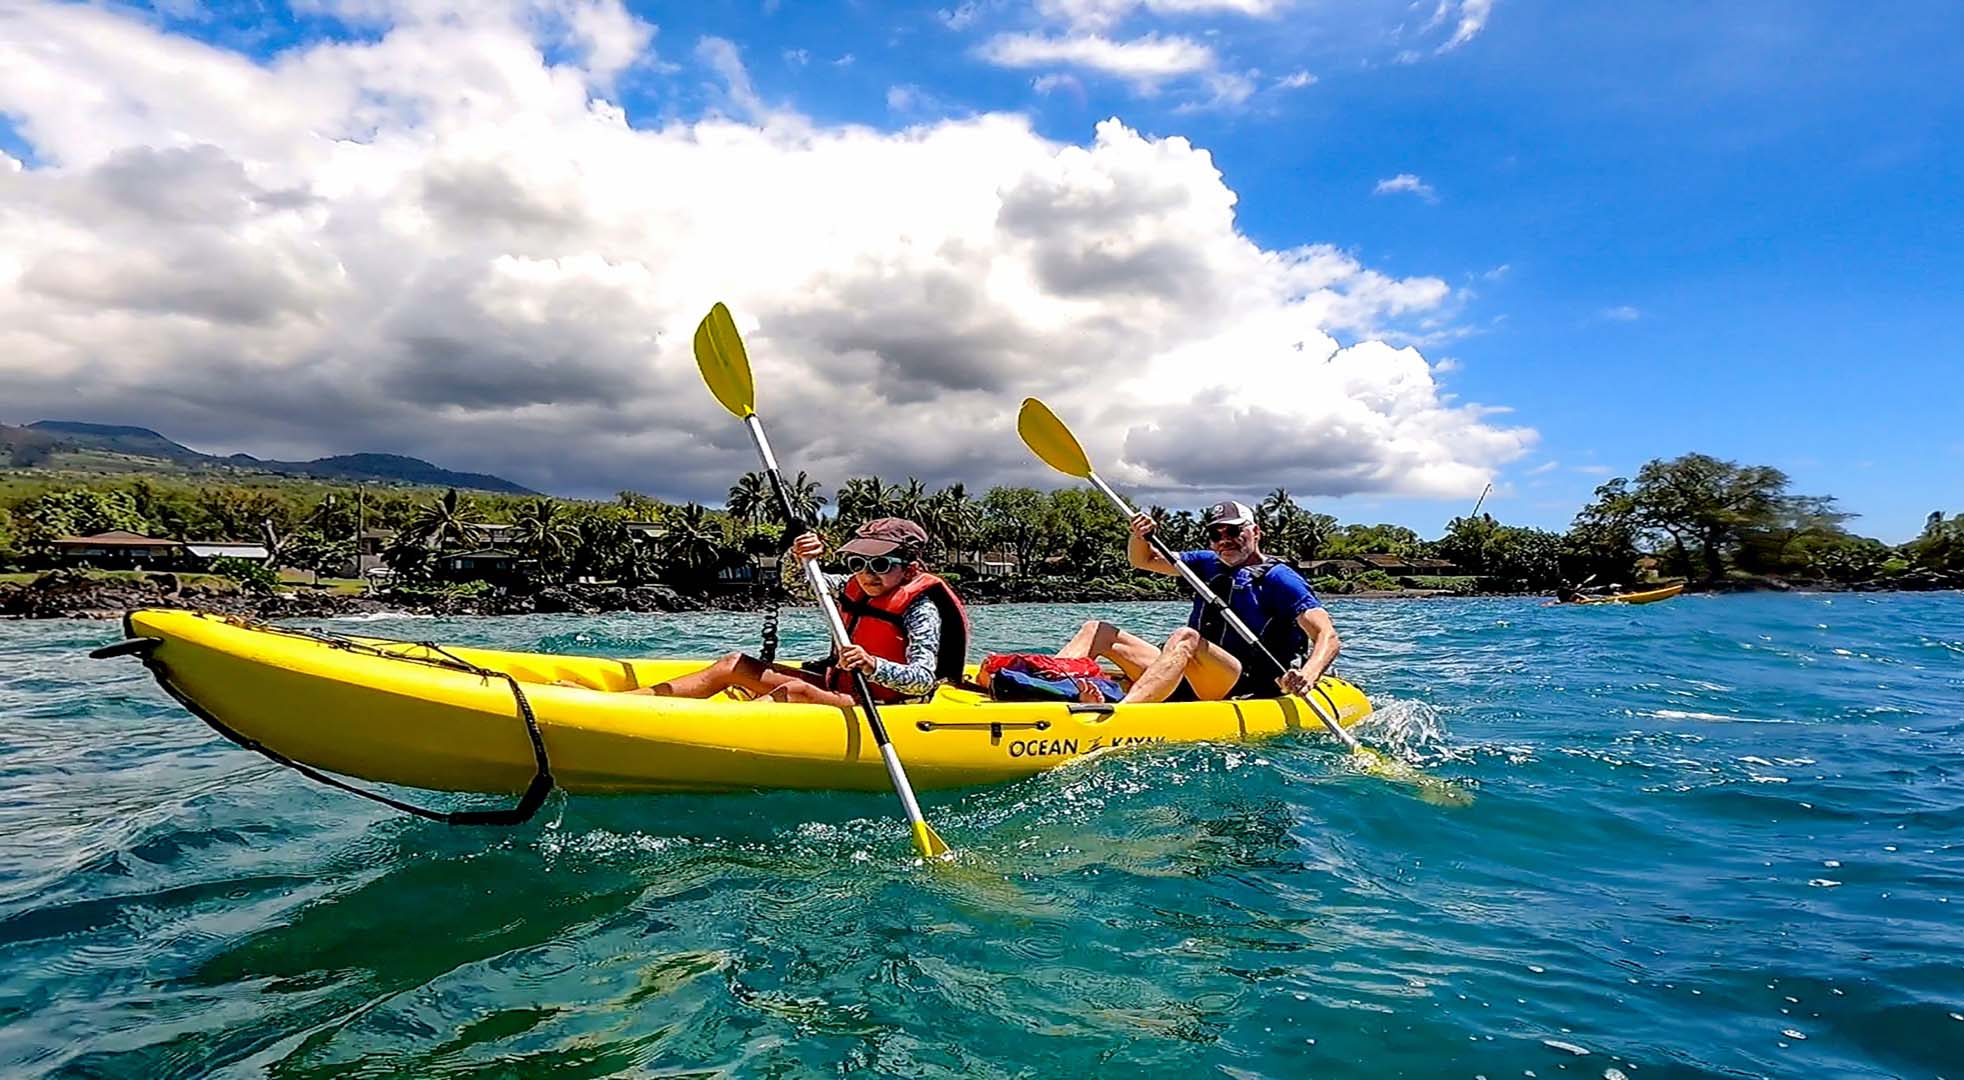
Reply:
x=302, y=579
x=291, y=579
x=212, y=580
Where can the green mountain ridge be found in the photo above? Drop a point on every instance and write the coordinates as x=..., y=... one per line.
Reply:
x=40, y=445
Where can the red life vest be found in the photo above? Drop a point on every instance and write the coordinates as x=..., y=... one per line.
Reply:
x=874, y=624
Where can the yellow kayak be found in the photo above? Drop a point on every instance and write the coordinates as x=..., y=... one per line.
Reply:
x=450, y=718
x=1648, y=596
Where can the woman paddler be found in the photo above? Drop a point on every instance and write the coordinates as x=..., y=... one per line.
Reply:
x=908, y=629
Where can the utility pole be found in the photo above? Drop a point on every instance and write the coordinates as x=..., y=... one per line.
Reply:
x=360, y=507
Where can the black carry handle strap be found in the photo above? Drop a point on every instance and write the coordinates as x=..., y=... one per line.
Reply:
x=517, y=814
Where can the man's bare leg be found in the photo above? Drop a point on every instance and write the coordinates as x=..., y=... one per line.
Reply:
x=1207, y=667
x=1132, y=654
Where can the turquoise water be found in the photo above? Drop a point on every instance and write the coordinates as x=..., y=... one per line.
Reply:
x=1711, y=837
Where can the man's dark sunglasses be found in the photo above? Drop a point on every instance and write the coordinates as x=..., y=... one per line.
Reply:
x=1225, y=532
x=878, y=564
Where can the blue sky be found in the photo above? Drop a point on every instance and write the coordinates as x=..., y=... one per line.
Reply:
x=1732, y=230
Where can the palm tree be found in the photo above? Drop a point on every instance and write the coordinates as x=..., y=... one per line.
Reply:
x=408, y=557
x=691, y=540
x=1182, y=531
x=542, y=532
x=1311, y=533
x=910, y=501
x=1274, y=510
x=806, y=502
x=863, y=498
x=954, y=518
x=450, y=521
x=604, y=547
x=750, y=498
x=752, y=501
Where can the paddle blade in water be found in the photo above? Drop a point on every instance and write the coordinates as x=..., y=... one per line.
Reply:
x=725, y=366
x=928, y=842
x=1430, y=789
x=1050, y=440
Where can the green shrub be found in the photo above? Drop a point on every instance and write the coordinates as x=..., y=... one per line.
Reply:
x=1375, y=580
x=1458, y=583
x=445, y=590
x=252, y=575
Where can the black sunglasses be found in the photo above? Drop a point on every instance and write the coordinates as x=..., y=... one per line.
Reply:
x=878, y=564
x=1225, y=532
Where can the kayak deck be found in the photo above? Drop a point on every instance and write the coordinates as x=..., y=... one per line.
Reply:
x=444, y=718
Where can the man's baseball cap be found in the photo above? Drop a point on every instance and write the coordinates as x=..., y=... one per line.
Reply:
x=1227, y=513
x=881, y=535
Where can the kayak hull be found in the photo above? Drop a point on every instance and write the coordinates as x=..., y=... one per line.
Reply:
x=1648, y=596
x=417, y=715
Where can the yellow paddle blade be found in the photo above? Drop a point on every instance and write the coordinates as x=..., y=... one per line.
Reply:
x=1050, y=440
x=725, y=366
x=1430, y=788
x=928, y=842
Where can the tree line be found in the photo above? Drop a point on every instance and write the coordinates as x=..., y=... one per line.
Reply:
x=1694, y=516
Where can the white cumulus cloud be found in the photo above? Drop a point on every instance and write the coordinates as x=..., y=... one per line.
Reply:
x=1099, y=14
x=1144, y=60
x=442, y=240
x=1406, y=183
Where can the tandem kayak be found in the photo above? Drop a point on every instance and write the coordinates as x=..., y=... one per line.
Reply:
x=1648, y=596
x=453, y=718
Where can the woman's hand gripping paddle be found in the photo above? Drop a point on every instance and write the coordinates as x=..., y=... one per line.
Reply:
x=1055, y=446
x=726, y=368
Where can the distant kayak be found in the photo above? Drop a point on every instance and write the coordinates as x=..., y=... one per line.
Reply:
x=1647, y=596
x=455, y=718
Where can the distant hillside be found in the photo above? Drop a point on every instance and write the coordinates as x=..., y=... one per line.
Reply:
x=44, y=443
x=140, y=442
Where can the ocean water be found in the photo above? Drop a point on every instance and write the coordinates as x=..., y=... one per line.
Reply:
x=1719, y=836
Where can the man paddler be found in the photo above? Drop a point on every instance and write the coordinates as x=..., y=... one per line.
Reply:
x=907, y=627
x=1206, y=660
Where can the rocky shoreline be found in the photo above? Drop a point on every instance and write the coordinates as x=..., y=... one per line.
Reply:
x=60, y=595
